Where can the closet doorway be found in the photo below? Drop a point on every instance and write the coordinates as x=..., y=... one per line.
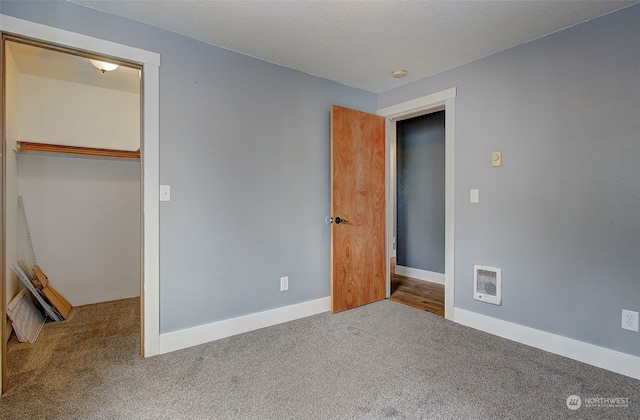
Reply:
x=72, y=133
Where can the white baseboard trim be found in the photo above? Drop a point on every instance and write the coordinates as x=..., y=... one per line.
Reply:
x=419, y=274
x=210, y=332
x=615, y=361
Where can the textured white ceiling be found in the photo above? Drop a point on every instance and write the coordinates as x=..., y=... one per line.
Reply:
x=359, y=43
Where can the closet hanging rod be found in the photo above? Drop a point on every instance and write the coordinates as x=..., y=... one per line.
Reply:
x=24, y=146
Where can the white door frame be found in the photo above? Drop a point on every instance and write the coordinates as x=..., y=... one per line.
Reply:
x=409, y=109
x=150, y=155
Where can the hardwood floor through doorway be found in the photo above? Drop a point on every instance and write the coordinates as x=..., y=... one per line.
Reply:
x=419, y=294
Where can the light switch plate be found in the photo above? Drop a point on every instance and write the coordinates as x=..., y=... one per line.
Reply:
x=165, y=193
x=496, y=159
x=474, y=196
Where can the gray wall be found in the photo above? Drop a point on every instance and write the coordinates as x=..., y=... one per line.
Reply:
x=561, y=217
x=420, y=192
x=244, y=145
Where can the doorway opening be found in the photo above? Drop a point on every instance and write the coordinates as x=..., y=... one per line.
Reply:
x=417, y=274
x=72, y=151
x=441, y=101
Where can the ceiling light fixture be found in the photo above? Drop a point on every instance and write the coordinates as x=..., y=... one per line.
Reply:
x=104, y=67
x=399, y=74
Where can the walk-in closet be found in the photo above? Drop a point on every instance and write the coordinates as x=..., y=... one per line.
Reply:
x=72, y=153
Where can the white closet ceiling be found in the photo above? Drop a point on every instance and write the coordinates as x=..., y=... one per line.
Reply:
x=360, y=43
x=42, y=62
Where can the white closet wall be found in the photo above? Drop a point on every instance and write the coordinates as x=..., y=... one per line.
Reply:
x=83, y=212
x=11, y=175
x=72, y=114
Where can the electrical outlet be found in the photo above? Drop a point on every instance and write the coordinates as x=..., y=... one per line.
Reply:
x=629, y=320
x=284, y=283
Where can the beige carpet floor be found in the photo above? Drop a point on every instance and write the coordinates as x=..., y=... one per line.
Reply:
x=92, y=339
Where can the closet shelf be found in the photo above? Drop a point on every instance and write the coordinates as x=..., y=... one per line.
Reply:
x=24, y=146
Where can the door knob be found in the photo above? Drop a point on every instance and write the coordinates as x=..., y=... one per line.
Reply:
x=340, y=220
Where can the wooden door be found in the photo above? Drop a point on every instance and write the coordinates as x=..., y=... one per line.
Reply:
x=358, y=208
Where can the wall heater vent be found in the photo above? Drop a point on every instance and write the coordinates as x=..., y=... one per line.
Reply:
x=487, y=284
